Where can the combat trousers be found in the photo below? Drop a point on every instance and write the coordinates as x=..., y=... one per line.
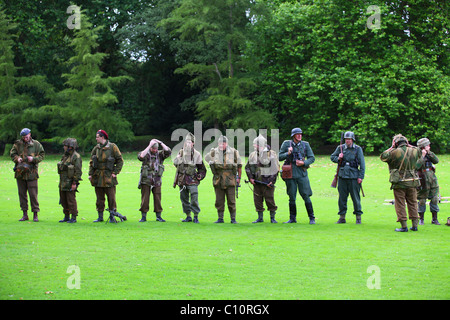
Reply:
x=433, y=195
x=192, y=205
x=145, y=198
x=69, y=202
x=230, y=194
x=261, y=193
x=302, y=184
x=352, y=187
x=30, y=187
x=408, y=196
x=110, y=193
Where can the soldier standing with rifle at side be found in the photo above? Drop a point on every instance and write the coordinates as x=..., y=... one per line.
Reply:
x=429, y=187
x=350, y=175
x=27, y=154
x=105, y=164
x=151, y=177
x=298, y=155
x=262, y=171
x=69, y=170
x=190, y=171
x=226, y=166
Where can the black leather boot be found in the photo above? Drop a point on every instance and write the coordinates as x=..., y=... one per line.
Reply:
x=272, y=217
x=310, y=211
x=100, y=217
x=260, y=217
x=66, y=218
x=292, y=214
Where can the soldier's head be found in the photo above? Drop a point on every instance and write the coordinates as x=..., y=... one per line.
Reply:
x=223, y=142
x=25, y=134
x=424, y=143
x=70, y=144
x=259, y=143
x=400, y=140
x=349, y=138
x=296, y=134
x=154, y=147
x=189, y=141
x=101, y=136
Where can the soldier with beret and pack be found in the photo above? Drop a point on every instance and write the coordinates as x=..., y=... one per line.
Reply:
x=105, y=164
x=190, y=171
x=262, y=171
x=350, y=175
x=70, y=171
x=226, y=166
x=150, y=180
x=297, y=156
x=27, y=153
x=429, y=187
x=403, y=160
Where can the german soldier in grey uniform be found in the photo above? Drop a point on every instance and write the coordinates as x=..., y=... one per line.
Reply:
x=350, y=175
x=70, y=171
x=190, y=171
x=299, y=154
x=429, y=187
x=27, y=154
x=262, y=171
x=151, y=173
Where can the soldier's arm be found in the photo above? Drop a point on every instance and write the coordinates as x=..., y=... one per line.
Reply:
x=119, y=160
x=14, y=153
x=362, y=163
x=309, y=155
x=335, y=155
x=283, y=151
x=434, y=159
x=40, y=153
x=78, y=169
x=201, y=171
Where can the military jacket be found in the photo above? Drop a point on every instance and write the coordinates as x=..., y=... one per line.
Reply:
x=301, y=151
x=353, y=163
x=152, y=167
x=224, y=165
x=190, y=168
x=403, y=162
x=69, y=170
x=105, y=160
x=426, y=166
x=263, y=166
x=27, y=170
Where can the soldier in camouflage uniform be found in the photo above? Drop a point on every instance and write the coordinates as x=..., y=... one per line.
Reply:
x=429, y=187
x=403, y=160
x=300, y=155
x=70, y=171
x=226, y=166
x=105, y=164
x=190, y=171
x=262, y=171
x=27, y=154
x=151, y=173
x=350, y=175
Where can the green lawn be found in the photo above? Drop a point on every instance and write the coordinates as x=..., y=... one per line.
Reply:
x=178, y=261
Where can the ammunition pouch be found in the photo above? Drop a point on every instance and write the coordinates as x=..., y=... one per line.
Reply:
x=110, y=163
x=94, y=162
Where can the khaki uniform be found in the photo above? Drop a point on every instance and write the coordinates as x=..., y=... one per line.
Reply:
x=105, y=160
x=190, y=171
x=152, y=170
x=402, y=163
x=70, y=171
x=26, y=173
x=224, y=165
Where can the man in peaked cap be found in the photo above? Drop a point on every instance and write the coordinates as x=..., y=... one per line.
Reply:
x=27, y=154
x=190, y=171
x=429, y=187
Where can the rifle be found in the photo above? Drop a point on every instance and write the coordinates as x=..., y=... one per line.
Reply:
x=237, y=186
x=335, y=180
x=112, y=214
x=261, y=182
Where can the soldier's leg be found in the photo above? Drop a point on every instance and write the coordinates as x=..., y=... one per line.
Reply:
x=111, y=195
x=434, y=208
x=230, y=193
x=32, y=186
x=355, y=189
x=343, y=190
x=145, y=200
x=23, y=198
x=157, y=207
x=306, y=193
x=258, y=193
x=64, y=203
x=291, y=190
x=399, y=204
x=72, y=205
x=422, y=204
x=185, y=203
x=220, y=203
x=195, y=206
x=100, y=203
x=269, y=195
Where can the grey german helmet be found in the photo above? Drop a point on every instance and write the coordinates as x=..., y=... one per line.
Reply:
x=349, y=135
x=296, y=131
x=422, y=143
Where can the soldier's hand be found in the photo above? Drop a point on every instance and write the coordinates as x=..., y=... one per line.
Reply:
x=299, y=163
x=19, y=160
x=30, y=159
x=290, y=150
x=90, y=177
x=341, y=155
x=252, y=181
x=359, y=180
x=424, y=152
x=74, y=187
x=113, y=175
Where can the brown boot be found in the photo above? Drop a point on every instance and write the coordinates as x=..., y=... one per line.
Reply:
x=435, y=219
x=35, y=217
x=24, y=217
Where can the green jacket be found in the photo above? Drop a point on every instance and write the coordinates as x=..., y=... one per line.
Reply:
x=152, y=168
x=263, y=166
x=105, y=160
x=69, y=170
x=300, y=150
x=427, y=171
x=353, y=163
x=190, y=169
x=224, y=165
x=403, y=162
x=27, y=170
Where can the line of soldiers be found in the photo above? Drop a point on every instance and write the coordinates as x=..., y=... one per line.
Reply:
x=262, y=169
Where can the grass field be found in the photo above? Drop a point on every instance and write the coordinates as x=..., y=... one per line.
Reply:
x=208, y=261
